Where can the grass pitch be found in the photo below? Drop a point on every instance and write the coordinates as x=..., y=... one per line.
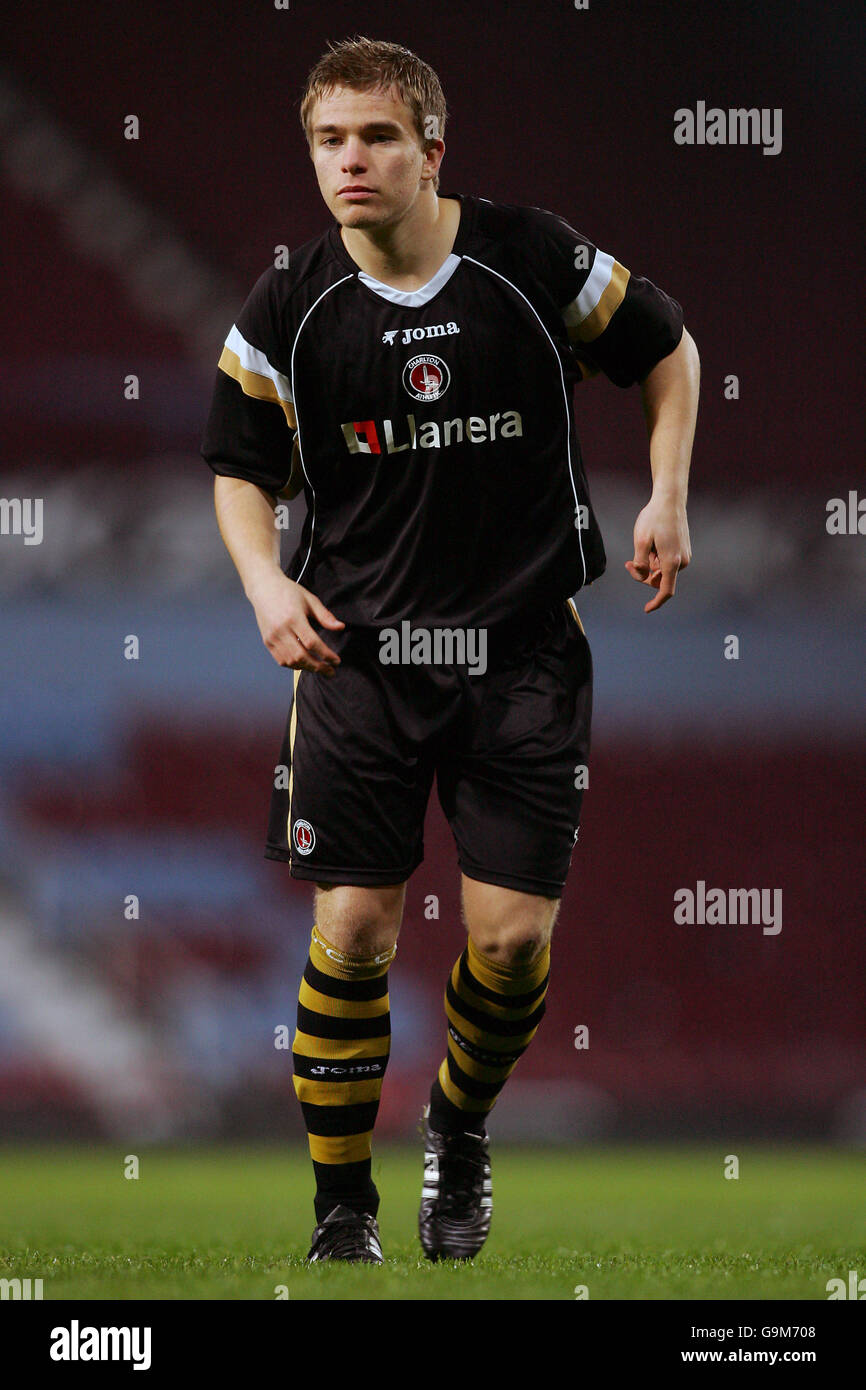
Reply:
x=627, y=1223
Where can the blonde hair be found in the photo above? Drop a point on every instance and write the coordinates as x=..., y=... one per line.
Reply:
x=368, y=65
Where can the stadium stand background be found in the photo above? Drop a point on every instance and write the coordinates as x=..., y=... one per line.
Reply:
x=152, y=777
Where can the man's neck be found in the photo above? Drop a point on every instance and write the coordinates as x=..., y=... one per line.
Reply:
x=409, y=253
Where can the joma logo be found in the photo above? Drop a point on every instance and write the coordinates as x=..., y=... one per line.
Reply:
x=417, y=335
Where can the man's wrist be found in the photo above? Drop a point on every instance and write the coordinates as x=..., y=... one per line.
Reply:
x=670, y=494
x=261, y=579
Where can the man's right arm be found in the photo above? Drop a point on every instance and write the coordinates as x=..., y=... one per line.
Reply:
x=247, y=442
x=283, y=608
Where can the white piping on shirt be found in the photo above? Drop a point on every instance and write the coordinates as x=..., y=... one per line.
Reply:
x=298, y=413
x=577, y=503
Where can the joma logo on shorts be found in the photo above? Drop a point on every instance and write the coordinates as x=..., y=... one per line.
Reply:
x=362, y=436
x=416, y=335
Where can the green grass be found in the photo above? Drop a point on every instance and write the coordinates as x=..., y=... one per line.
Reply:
x=628, y=1223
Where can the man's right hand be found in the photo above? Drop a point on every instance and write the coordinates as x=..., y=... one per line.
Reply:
x=283, y=612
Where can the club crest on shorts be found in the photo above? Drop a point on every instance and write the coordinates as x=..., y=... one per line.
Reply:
x=426, y=377
x=304, y=836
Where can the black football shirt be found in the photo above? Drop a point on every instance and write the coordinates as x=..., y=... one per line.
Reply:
x=436, y=441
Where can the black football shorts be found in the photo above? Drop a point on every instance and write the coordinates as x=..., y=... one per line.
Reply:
x=509, y=748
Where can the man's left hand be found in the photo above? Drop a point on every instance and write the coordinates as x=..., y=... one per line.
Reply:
x=661, y=549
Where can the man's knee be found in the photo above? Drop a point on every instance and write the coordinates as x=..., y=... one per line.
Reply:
x=510, y=927
x=359, y=921
x=515, y=945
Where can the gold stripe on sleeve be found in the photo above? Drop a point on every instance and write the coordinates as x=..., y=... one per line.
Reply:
x=261, y=388
x=612, y=296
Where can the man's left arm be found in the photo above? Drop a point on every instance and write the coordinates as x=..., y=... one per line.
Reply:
x=661, y=533
x=625, y=326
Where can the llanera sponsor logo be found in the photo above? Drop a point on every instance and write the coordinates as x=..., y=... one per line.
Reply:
x=369, y=436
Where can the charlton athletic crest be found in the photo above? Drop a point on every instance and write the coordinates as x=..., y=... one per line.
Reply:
x=426, y=377
x=304, y=836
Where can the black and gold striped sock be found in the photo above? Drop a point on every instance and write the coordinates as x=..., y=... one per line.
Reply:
x=493, y=1012
x=340, y=1052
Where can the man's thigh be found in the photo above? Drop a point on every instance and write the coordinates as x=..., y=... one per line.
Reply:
x=512, y=789
x=357, y=767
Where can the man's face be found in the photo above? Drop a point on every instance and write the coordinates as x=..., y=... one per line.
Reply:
x=367, y=140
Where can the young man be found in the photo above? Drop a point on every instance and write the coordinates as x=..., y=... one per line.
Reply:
x=412, y=370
